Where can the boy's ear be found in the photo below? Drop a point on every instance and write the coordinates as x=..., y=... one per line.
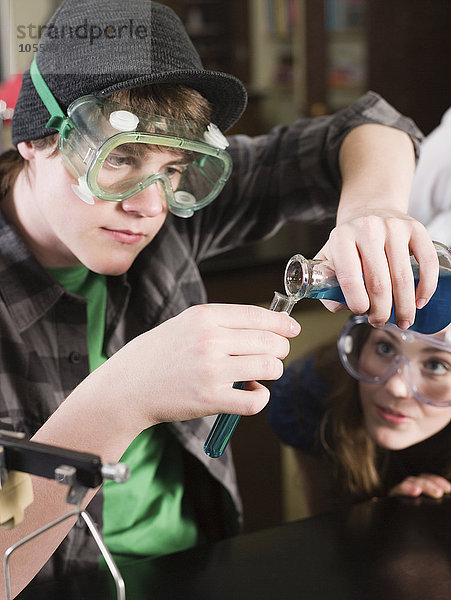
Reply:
x=27, y=150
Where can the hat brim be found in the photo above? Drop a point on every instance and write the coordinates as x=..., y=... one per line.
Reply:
x=226, y=94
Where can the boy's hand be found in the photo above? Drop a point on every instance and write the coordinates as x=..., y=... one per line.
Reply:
x=185, y=367
x=379, y=246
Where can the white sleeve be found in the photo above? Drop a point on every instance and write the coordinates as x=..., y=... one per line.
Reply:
x=430, y=201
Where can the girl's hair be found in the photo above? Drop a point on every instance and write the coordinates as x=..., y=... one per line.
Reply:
x=167, y=100
x=356, y=461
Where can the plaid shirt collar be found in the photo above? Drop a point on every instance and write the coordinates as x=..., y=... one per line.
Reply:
x=27, y=289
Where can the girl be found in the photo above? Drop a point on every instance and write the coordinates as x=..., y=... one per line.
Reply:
x=369, y=416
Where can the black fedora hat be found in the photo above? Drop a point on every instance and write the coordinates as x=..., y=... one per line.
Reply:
x=102, y=46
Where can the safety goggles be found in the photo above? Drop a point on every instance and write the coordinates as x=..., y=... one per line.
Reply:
x=116, y=151
x=375, y=355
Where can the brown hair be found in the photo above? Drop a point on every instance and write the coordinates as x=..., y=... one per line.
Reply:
x=12, y=162
x=354, y=455
x=167, y=100
x=175, y=101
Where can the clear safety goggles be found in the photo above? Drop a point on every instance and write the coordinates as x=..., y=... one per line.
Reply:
x=376, y=355
x=115, y=152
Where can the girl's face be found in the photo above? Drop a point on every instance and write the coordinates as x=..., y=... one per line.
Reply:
x=394, y=418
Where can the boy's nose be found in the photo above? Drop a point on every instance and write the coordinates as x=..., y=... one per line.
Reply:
x=150, y=202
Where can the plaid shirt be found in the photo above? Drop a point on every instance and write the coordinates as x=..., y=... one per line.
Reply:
x=291, y=173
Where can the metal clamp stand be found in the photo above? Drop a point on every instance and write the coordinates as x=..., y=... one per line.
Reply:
x=34, y=458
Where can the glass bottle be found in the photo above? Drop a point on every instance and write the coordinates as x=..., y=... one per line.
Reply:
x=305, y=278
x=225, y=425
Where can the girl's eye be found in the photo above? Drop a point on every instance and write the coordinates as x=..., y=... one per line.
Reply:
x=385, y=349
x=437, y=367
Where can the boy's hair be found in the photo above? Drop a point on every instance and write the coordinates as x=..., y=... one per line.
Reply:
x=136, y=44
x=176, y=101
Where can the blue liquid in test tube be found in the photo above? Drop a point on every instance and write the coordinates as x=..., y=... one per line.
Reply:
x=225, y=424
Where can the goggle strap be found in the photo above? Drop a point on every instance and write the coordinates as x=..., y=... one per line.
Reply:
x=58, y=120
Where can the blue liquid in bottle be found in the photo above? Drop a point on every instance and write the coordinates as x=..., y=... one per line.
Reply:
x=435, y=316
x=314, y=279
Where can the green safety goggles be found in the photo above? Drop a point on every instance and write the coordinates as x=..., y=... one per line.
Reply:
x=111, y=149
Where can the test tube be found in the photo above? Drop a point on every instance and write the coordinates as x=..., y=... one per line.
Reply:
x=225, y=425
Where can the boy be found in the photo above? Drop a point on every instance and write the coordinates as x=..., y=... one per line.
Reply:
x=107, y=343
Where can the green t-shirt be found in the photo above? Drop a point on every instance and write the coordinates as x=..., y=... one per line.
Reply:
x=148, y=514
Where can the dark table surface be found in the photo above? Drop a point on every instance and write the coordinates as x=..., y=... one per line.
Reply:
x=393, y=549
